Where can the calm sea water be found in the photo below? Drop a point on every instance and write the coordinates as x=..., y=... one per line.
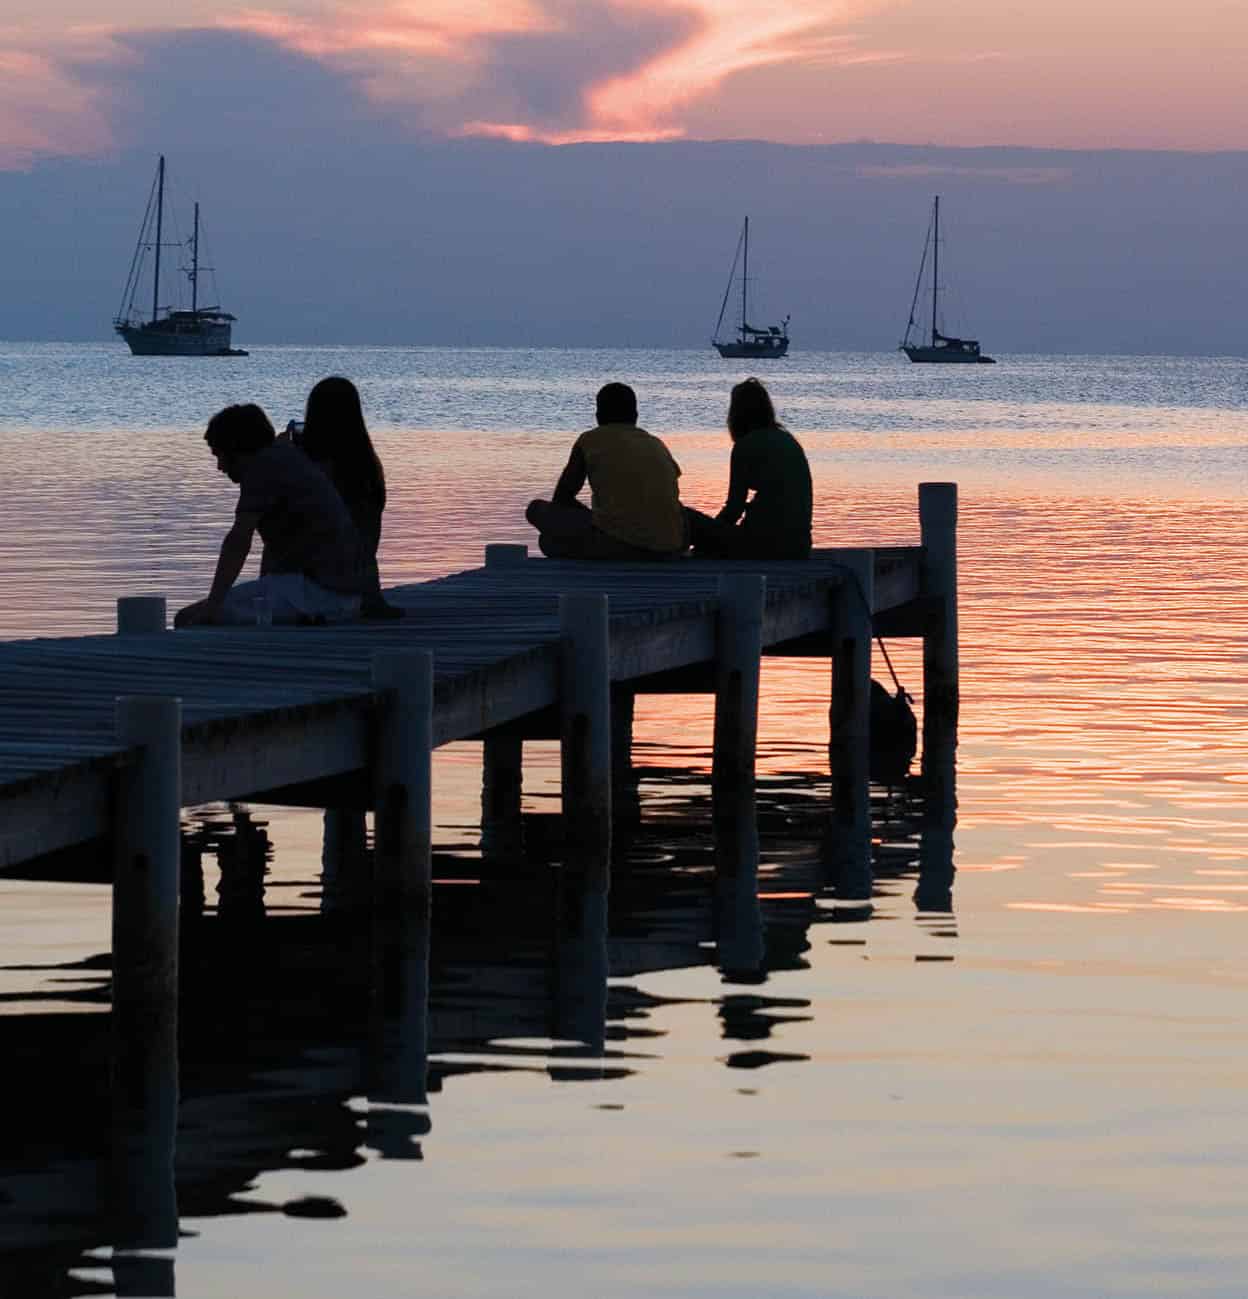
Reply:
x=1039, y=1094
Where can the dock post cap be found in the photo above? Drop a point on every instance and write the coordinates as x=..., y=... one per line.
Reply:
x=500, y=554
x=141, y=614
x=938, y=501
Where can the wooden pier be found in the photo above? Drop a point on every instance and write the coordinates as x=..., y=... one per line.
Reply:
x=519, y=648
x=104, y=739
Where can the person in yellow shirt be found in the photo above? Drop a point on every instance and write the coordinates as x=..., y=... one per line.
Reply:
x=635, y=511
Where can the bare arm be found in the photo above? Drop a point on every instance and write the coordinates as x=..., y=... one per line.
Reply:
x=572, y=479
x=235, y=547
x=738, y=489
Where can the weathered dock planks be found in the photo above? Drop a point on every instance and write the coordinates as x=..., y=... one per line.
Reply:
x=269, y=707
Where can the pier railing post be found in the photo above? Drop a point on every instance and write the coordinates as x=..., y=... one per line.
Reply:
x=502, y=757
x=938, y=518
x=505, y=554
x=146, y=881
x=403, y=775
x=938, y=524
x=585, y=717
x=849, y=744
x=141, y=614
x=738, y=655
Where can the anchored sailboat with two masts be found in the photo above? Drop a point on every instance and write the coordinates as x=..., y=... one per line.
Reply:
x=771, y=340
x=940, y=346
x=170, y=330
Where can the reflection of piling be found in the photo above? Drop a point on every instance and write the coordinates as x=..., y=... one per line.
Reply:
x=739, y=649
x=585, y=728
x=345, y=882
x=243, y=858
x=143, y=1276
x=738, y=918
x=580, y=1000
x=934, y=891
x=849, y=746
x=145, y=973
x=502, y=790
x=938, y=523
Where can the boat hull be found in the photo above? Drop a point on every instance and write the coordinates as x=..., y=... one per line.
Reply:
x=733, y=351
x=203, y=339
x=947, y=356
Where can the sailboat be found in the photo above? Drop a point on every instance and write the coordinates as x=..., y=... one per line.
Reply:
x=170, y=331
x=940, y=347
x=771, y=340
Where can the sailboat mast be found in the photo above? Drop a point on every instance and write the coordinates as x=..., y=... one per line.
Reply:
x=195, y=264
x=160, y=218
x=935, y=261
x=745, y=276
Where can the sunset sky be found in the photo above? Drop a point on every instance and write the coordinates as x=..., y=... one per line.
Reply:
x=1066, y=73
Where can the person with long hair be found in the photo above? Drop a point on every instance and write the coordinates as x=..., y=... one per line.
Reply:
x=767, y=460
x=336, y=437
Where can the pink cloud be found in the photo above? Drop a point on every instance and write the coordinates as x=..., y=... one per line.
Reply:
x=46, y=110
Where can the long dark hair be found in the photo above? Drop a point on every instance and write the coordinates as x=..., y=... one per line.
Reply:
x=749, y=408
x=334, y=434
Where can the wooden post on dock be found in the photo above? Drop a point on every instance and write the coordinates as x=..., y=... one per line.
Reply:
x=502, y=759
x=938, y=524
x=849, y=745
x=502, y=790
x=141, y=614
x=147, y=867
x=505, y=554
x=585, y=717
x=938, y=517
x=738, y=655
x=403, y=776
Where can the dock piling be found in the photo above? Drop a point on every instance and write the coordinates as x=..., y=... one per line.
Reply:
x=141, y=614
x=585, y=728
x=502, y=790
x=849, y=742
x=938, y=576
x=739, y=650
x=503, y=554
x=147, y=869
x=403, y=820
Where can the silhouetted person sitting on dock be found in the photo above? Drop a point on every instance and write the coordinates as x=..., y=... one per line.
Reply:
x=768, y=461
x=336, y=437
x=636, y=512
x=310, y=568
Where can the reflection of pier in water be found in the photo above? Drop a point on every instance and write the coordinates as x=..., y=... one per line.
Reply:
x=377, y=989
x=299, y=1016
